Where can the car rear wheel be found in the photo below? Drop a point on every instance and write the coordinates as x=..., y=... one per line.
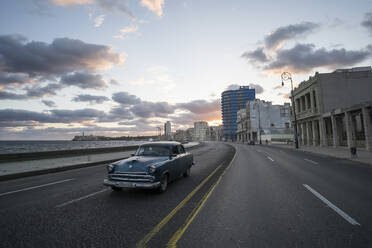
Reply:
x=115, y=188
x=187, y=172
x=163, y=184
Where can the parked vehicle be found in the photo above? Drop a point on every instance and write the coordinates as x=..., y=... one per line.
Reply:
x=153, y=165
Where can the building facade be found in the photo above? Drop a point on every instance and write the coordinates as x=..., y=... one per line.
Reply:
x=167, y=129
x=261, y=120
x=334, y=109
x=201, y=131
x=231, y=102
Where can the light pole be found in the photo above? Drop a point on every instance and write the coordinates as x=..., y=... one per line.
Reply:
x=285, y=77
x=259, y=120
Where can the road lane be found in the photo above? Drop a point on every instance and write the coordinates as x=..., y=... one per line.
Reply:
x=92, y=219
x=260, y=205
x=346, y=183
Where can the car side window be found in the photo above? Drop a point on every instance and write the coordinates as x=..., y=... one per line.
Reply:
x=175, y=150
x=181, y=149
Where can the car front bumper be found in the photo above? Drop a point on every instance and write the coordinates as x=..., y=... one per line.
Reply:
x=130, y=185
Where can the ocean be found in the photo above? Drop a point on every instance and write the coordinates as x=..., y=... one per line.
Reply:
x=20, y=146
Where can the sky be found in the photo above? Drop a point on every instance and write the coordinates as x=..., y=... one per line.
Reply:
x=124, y=67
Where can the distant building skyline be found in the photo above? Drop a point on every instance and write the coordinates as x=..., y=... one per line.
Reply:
x=118, y=68
x=231, y=102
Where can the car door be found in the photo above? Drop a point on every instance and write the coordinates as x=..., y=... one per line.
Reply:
x=174, y=163
x=182, y=158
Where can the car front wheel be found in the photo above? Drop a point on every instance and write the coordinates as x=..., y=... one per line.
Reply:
x=163, y=184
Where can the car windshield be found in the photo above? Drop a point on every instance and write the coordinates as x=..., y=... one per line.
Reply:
x=153, y=150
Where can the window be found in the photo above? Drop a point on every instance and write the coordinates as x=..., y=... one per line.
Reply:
x=181, y=149
x=314, y=100
x=149, y=150
x=175, y=150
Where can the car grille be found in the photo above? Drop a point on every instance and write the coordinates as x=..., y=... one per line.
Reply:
x=132, y=177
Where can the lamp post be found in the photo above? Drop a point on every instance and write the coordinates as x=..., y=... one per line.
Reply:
x=285, y=77
x=257, y=105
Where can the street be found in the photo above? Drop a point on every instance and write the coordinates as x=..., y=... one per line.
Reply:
x=237, y=196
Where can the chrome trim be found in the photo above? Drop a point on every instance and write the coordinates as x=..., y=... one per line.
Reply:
x=119, y=184
x=132, y=172
x=147, y=176
x=131, y=179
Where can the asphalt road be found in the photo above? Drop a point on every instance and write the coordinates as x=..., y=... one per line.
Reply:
x=275, y=197
x=74, y=209
x=258, y=196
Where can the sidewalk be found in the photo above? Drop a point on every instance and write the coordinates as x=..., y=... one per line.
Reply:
x=36, y=167
x=363, y=155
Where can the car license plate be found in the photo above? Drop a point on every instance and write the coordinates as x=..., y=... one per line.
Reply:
x=125, y=184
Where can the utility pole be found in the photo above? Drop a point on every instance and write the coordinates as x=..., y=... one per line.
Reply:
x=285, y=77
x=259, y=121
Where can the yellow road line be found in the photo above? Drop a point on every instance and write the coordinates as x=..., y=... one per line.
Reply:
x=172, y=243
x=158, y=227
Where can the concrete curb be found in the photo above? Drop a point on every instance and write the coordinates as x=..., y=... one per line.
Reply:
x=324, y=155
x=54, y=170
x=65, y=168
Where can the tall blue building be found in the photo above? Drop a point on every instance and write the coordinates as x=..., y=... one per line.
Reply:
x=232, y=101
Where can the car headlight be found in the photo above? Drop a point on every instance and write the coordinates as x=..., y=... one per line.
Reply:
x=110, y=168
x=152, y=168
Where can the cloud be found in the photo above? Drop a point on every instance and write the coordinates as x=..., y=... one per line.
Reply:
x=38, y=91
x=367, y=22
x=63, y=55
x=84, y=80
x=123, y=33
x=233, y=87
x=156, y=6
x=5, y=95
x=187, y=119
x=258, y=88
x=108, y=5
x=284, y=95
x=304, y=58
x=17, y=79
x=257, y=55
x=99, y=20
x=276, y=38
x=90, y=98
x=152, y=109
x=125, y=98
x=141, y=81
x=31, y=92
x=71, y=2
x=49, y=103
x=201, y=106
x=116, y=5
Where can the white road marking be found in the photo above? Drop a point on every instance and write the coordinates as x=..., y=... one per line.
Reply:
x=258, y=150
x=34, y=187
x=310, y=161
x=331, y=205
x=81, y=198
x=272, y=160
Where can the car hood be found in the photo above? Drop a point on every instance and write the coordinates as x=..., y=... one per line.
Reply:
x=137, y=163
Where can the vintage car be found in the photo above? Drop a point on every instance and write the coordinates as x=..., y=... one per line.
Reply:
x=153, y=165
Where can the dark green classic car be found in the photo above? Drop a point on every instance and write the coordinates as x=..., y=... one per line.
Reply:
x=154, y=165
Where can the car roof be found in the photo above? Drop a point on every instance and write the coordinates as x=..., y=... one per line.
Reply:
x=162, y=143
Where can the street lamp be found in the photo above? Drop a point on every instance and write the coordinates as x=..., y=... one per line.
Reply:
x=256, y=104
x=285, y=77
